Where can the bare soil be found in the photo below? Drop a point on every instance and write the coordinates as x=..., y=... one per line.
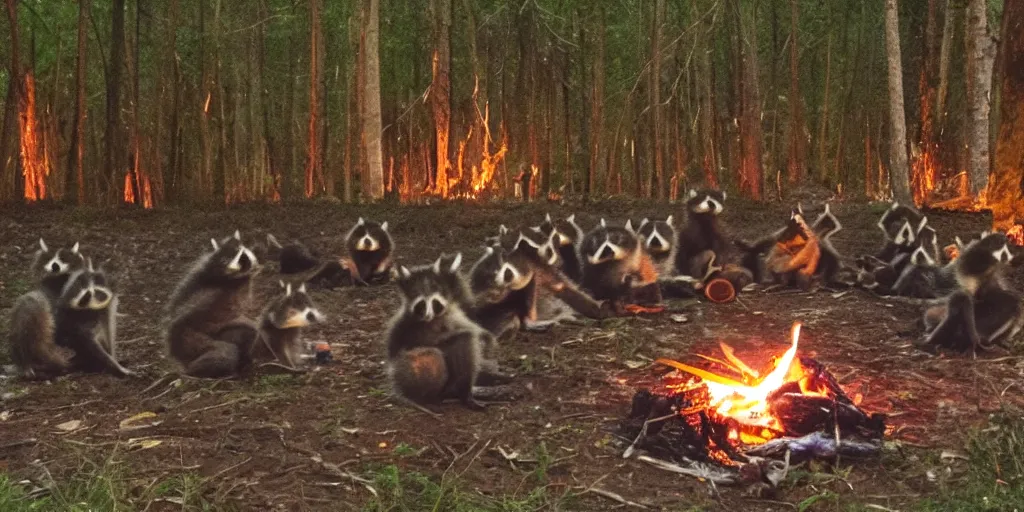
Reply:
x=256, y=443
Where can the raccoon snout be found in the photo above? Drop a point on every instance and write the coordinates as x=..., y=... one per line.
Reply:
x=656, y=243
x=83, y=301
x=311, y=317
x=245, y=262
x=437, y=307
x=420, y=309
x=101, y=296
x=55, y=267
x=607, y=253
x=508, y=275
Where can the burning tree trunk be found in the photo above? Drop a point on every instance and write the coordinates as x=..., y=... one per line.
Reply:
x=373, y=185
x=440, y=91
x=114, y=138
x=979, y=83
x=1006, y=189
x=945, y=50
x=797, y=141
x=924, y=165
x=898, y=172
x=314, y=163
x=76, y=170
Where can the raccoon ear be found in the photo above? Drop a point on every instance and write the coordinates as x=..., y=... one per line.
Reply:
x=571, y=219
x=724, y=195
x=281, y=282
x=74, y=248
x=302, y=288
x=502, y=230
x=384, y=226
x=88, y=265
x=827, y=209
x=455, y=263
x=547, y=217
x=238, y=236
x=42, y=245
x=800, y=208
x=668, y=220
x=693, y=193
x=213, y=242
x=536, y=229
x=895, y=205
x=272, y=240
x=437, y=265
x=489, y=250
x=404, y=272
x=924, y=222
x=629, y=226
x=360, y=222
x=288, y=290
x=603, y=223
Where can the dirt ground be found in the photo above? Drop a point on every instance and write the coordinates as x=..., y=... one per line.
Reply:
x=321, y=441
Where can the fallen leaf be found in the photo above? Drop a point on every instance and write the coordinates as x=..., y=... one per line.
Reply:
x=138, y=417
x=350, y=431
x=68, y=426
x=633, y=365
x=4, y=416
x=143, y=444
x=680, y=319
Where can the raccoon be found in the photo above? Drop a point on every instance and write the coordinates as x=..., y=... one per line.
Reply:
x=892, y=220
x=923, y=278
x=434, y=350
x=294, y=258
x=281, y=324
x=703, y=250
x=617, y=268
x=371, y=248
x=983, y=310
x=206, y=331
x=796, y=254
x=53, y=268
x=566, y=236
x=659, y=238
x=511, y=278
x=32, y=345
x=86, y=321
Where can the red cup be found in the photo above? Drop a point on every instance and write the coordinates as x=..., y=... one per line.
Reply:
x=719, y=290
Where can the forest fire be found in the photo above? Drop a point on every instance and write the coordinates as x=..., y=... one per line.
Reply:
x=145, y=190
x=35, y=163
x=716, y=416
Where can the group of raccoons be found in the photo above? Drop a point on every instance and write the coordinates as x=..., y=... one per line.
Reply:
x=440, y=342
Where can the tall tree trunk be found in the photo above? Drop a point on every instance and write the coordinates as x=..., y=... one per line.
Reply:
x=15, y=93
x=76, y=164
x=979, y=82
x=898, y=172
x=751, y=168
x=114, y=139
x=440, y=92
x=945, y=50
x=1006, y=189
x=597, y=103
x=373, y=185
x=314, y=162
x=797, y=165
x=923, y=167
x=656, y=137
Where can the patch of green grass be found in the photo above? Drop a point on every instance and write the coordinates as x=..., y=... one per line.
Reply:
x=400, y=490
x=184, y=490
x=994, y=479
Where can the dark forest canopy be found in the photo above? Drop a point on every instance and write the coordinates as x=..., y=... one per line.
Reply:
x=171, y=101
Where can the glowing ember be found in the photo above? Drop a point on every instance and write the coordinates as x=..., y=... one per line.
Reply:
x=1016, y=234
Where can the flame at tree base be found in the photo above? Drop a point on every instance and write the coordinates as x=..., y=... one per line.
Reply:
x=716, y=416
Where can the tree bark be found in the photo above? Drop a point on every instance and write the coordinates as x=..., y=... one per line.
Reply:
x=657, y=21
x=373, y=185
x=15, y=93
x=751, y=168
x=597, y=102
x=923, y=167
x=440, y=93
x=114, y=138
x=76, y=165
x=314, y=162
x=899, y=175
x=797, y=165
x=1006, y=190
x=979, y=83
x=945, y=51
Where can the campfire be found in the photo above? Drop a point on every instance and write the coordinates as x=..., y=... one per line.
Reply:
x=794, y=404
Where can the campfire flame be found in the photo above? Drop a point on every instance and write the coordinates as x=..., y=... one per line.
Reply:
x=746, y=401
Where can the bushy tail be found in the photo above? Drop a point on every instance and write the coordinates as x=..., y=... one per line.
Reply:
x=32, y=346
x=419, y=374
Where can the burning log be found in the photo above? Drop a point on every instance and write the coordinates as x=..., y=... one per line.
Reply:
x=699, y=415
